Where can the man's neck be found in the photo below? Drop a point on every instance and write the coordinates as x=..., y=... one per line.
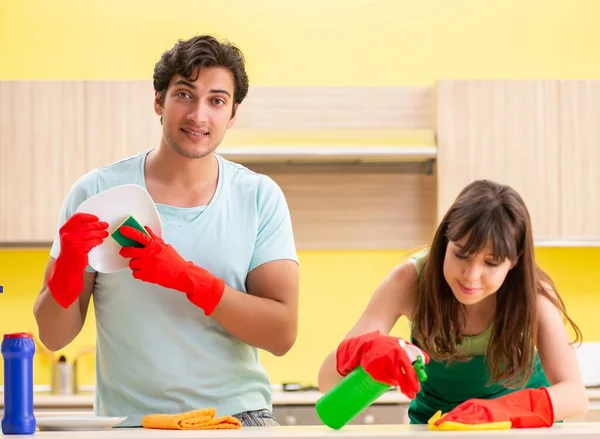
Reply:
x=165, y=166
x=179, y=181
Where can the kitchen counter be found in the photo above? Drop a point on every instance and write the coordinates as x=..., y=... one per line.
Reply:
x=280, y=398
x=559, y=431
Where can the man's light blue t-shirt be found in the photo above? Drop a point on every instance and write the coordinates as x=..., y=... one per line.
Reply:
x=156, y=351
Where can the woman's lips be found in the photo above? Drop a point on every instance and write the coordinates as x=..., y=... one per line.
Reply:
x=467, y=290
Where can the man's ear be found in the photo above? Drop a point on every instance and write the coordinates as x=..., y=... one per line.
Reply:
x=233, y=118
x=158, y=108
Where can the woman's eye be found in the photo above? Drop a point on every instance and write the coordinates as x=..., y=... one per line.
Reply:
x=462, y=257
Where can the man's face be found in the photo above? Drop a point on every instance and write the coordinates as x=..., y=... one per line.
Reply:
x=195, y=115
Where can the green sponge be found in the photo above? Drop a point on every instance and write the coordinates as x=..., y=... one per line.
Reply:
x=123, y=240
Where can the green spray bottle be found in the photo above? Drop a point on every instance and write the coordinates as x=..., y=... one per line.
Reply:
x=358, y=390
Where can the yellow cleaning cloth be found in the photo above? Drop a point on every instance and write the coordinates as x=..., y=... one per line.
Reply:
x=458, y=426
x=202, y=419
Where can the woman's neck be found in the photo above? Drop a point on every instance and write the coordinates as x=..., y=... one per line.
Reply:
x=480, y=316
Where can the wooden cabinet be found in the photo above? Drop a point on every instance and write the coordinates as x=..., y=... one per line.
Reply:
x=42, y=152
x=579, y=121
x=540, y=137
x=358, y=196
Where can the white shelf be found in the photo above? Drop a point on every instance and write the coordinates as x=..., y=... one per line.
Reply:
x=566, y=243
x=300, y=153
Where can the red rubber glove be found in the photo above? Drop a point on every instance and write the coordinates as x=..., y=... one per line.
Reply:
x=382, y=357
x=159, y=263
x=527, y=408
x=78, y=236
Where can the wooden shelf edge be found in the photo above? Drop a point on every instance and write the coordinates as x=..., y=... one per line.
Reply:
x=329, y=154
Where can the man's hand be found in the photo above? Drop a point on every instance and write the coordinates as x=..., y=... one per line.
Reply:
x=159, y=263
x=78, y=236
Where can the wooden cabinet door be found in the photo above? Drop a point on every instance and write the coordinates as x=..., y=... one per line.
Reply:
x=506, y=131
x=119, y=120
x=580, y=160
x=540, y=137
x=42, y=152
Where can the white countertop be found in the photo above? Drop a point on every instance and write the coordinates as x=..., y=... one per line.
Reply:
x=559, y=431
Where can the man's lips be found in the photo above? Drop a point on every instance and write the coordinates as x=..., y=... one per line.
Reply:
x=195, y=132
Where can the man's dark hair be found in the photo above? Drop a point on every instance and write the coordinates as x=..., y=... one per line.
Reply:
x=198, y=52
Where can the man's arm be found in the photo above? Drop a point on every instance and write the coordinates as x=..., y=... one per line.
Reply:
x=58, y=326
x=266, y=317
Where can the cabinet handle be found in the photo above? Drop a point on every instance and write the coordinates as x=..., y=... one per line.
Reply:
x=290, y=420
x=369, y=419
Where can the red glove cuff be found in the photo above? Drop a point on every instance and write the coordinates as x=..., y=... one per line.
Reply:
x=541, y=407
x=209, y=294
x=65, y=283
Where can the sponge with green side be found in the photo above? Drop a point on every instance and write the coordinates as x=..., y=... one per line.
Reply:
x=123, y=240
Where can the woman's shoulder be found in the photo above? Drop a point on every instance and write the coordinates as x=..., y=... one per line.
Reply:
x=418, y=258
x=401, y=287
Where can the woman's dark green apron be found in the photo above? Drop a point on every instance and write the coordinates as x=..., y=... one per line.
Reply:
x=448, y=386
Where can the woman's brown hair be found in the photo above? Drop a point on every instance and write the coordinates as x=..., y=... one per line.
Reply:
x=484, y=211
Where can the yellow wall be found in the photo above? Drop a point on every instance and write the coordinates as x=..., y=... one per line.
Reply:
x=313, y=42
x=331, y=300
x=356, y=42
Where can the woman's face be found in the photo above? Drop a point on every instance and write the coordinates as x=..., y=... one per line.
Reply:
x=474, y=277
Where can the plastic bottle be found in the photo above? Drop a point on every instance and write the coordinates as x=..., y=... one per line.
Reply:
x=62, y=379
x=17, y=351
x=358, y=390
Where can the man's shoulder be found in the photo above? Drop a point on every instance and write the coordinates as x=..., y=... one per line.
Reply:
x=240, y=176
x=107, y=176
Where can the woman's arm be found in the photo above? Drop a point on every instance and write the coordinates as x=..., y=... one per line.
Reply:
x=393, y=298
x=559, y=361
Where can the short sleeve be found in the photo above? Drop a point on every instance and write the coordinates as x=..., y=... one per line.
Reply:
x=275, y=237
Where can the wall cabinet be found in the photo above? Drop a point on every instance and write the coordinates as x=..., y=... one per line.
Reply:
x=540, y=137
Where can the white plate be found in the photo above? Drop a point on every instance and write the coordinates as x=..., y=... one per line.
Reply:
x=113, y=206
x=81, y=423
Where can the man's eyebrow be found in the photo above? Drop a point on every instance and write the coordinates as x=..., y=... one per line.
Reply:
x=218, y=90
x=184, y=82
x=192, y=86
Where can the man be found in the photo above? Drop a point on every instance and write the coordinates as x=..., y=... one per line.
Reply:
x=180, y=330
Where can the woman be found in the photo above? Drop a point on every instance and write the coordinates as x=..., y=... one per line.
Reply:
x=489, y=319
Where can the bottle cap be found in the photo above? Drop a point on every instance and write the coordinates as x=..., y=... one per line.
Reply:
x=419, y=366
x=18, y=335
